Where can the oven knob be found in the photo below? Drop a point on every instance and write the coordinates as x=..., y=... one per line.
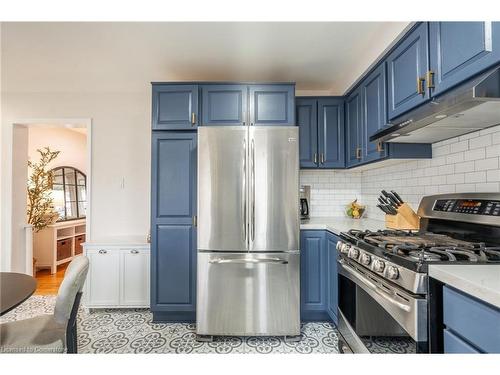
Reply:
x=353, y=253
x=392, y=272
x=339, y=245
x=345, y=248
x=365, y=259
x=378, y=265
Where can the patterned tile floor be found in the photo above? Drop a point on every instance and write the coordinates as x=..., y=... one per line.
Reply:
x=132, y=331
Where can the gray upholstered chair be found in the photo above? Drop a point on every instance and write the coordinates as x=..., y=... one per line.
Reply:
x=54, y=333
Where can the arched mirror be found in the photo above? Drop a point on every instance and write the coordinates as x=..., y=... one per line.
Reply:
x=69, y=192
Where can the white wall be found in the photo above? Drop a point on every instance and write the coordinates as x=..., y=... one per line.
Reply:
x=331, y=190
x=121, y=136
x=18, y=198
x=71, y=144
x=469, y=163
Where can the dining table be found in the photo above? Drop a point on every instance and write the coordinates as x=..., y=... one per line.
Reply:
x=15, y=288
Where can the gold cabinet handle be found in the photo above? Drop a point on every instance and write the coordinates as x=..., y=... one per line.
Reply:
x=193, y=118
x=358, y=153
x=315, y=158
x=430, y=79
x=195, y=221
x=420, y=86
x=380, y=147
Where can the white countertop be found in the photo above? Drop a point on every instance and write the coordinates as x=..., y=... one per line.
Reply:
x=477, y=280
x=134, y=240
x=341, y=224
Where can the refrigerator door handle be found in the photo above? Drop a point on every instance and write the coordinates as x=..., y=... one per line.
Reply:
x=253, y=190
x=244, y=200
x=249, y=260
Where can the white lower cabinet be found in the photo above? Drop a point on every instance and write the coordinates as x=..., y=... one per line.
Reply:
x=135, y=277
x=118, y=276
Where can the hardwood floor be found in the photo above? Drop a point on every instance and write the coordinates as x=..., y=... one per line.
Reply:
x=47, y=283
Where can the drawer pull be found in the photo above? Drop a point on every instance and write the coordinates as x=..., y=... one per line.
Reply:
x=102, y=251
x=134, y=251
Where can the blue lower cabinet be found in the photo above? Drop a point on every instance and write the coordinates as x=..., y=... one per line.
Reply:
x=333, y=296
x=453, y=344
x=313, y=275
x=474, y=321
x=173, y=236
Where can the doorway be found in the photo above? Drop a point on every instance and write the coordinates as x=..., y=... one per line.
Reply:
x=44, y=247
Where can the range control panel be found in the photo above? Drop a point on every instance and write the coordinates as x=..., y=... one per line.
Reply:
x=468, y=206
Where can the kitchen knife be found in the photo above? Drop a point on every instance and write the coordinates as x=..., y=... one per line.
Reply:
x=382, y=200
x=397, y=196
x=392, y=210
x=383, y=209
x=393, y=200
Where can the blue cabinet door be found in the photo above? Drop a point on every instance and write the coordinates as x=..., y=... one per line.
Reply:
x=374, y=116
x=224, y=104
x=459, y=50
x=175, y=107
x=173, y=236
x=307, y=120
x=333, y=299
x=272, y=105
x=353, y=124
x=406, y=64
x=472, y=319
x=313, y=275
x=331, y=133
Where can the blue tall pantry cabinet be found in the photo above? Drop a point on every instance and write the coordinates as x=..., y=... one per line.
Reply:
x=173, y=231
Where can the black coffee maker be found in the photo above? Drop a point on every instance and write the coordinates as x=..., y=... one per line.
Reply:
x=305, y=193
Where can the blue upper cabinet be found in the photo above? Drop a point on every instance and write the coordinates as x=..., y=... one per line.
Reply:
x=224, y=104
x=459, y=50
x=331, y=133
x=307, y=120
x=173, y=235
x=175, y=107
x=353, y=124
x=374, y=114
x=272, y=104
x=313, y=275
x=407, y=66
x=333, y=299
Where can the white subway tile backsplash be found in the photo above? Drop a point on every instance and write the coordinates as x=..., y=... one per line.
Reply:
x=469, y=163
x=459, y=146
x=476, y=154
x=485, y=164
x=492, y=151
x=475, y=177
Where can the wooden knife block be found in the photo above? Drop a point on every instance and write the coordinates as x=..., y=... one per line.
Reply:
x=406, y=219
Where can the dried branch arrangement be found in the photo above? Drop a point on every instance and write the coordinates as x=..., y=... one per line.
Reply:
x=40, y=203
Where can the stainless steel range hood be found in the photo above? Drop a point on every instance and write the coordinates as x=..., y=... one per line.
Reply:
x=469, y=107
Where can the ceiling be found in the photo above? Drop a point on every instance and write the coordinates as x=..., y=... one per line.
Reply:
x=76, y=57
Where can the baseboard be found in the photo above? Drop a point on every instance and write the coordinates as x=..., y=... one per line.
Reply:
x=173, y=317
x=315, y=316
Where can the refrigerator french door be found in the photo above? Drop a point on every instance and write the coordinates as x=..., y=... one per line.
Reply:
x=248, y=231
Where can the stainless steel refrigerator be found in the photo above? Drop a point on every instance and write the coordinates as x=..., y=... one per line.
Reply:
x=248, y=231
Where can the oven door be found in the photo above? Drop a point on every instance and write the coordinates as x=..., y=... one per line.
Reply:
x=377, y=316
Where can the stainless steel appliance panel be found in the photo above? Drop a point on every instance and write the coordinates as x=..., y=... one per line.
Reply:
x=248, y=294
x=273, y=188
x=222, y=188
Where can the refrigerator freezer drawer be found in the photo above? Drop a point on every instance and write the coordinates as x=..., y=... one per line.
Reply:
x=248, y=294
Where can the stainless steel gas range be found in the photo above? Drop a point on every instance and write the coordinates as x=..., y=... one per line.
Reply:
x=383, y=275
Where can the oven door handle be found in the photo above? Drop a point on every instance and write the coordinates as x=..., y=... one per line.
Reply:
x=373, y=287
